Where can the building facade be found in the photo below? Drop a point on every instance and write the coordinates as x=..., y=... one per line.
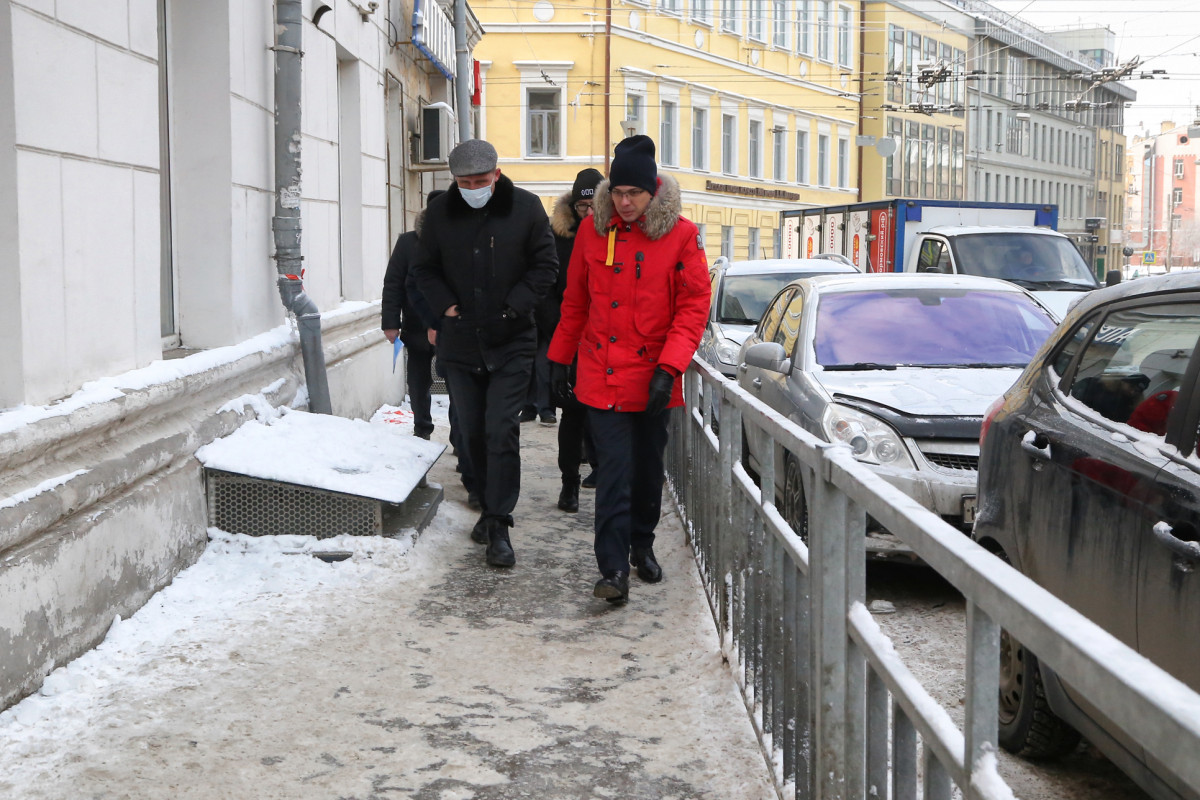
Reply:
x=138, y=294
x=753, y=105
x=1162, y=226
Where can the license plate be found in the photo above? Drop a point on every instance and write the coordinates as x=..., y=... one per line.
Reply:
x=969, y=506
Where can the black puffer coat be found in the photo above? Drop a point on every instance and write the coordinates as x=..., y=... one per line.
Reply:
x=403, y=306
x=495, y=263
x=564, y=224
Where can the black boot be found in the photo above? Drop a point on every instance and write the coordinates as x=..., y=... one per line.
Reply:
x=499, y=550
x=590, y=481
x=568, y=498
x=613, y=587
x=479, y=534
x=643, y=560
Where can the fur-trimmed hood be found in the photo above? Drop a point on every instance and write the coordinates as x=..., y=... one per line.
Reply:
x=419, y=223
x=563, y=221
x=660, y=217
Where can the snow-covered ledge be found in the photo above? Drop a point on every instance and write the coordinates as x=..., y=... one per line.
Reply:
x=101, y=498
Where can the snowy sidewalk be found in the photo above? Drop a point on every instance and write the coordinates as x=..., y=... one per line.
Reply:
x=407, y=671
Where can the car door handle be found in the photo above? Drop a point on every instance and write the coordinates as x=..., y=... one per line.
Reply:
x=1036, y=445
x=757, y=383
x=1186, y=553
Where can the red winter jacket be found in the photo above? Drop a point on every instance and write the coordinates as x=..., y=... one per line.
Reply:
x=645, y=305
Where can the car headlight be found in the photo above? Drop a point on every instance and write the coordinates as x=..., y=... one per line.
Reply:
x=727, y=351
x=871, y=440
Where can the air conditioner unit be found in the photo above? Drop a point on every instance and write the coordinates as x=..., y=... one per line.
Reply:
x=438, y=137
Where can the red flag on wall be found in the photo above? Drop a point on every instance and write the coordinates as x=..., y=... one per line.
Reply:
x=475, y=96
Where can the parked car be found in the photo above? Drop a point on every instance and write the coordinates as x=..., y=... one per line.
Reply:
x=1090, y=485
x=740, y=293
x=899, y=367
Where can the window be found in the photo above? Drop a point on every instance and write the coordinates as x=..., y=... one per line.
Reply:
x=667, y=131
x=700, y=11
x=752, y=245
x=946, y=57
x=843, y=167
x=729, y=144
x=823, y=160
x=912, y=159
x=1120, y=165
x=825, y=30
x=755, y=148
x=804, y=20
x=699, y=138
x=1176, y=222
x=789, y=324
x=633, y=109
x=943, y=164
x=669, y=6
x=845, y=50
x=914, y=55
x=779, y=154
x=1179, y=168
x=957, y=83
x=770, y=321
x=727, y=241
x=543, y=123
x=1176, y=196
x=729, y=16
x=893, y=165
x=780, y=22
x=934, y=256
x=958, y=173
x=928, y=159
x=801, y=157
x=756, y=24
x=1125, y=383
x=895, y=64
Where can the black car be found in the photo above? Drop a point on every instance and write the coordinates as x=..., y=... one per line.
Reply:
x=1089, y=483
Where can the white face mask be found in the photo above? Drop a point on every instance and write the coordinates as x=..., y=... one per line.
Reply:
x=476, y=198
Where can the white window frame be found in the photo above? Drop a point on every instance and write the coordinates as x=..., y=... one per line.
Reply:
x=668, y=141
x=825, y=24
x=701, y=11
x=845, y=41
x=804, y=27
x=843, y=159
x=729, y=141
x=756, y=20
x=755, y=155
x=670, y=7
x=781, y=23
x=779, y=147
x=534, y=75
x=702, y=163
x=729, y=20
x=728, y=241
x=803, y=153
x=824, y=159
x=753, y=244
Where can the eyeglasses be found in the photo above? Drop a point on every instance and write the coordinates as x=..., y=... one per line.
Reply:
x=632, y=194
x=583, y=207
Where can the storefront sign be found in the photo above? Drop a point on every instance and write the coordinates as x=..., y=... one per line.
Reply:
x=751, y=191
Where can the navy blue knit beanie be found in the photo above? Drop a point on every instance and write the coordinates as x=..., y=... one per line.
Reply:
x=633, y=164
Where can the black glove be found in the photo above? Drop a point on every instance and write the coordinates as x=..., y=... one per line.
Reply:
x=661, y=384
x=560, y=384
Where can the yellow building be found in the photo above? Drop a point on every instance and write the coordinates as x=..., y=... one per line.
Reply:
x=914, y=69
x=752, y=105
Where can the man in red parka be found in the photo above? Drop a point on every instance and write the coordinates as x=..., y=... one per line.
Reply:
x=634, y=310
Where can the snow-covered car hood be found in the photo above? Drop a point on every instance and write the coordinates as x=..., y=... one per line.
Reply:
x=735, y=333
x=924, y=391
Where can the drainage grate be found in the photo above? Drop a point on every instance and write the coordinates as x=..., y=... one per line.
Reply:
x=257, y=507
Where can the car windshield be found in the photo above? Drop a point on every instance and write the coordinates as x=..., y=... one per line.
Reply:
x=1035, y=261
x=744, y=298
x=928, y=327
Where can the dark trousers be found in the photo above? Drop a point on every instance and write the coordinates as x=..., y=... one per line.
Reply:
x=629, y=449
x=487, y=405
x=420, y=380
x=539, y=381
x=572, y=434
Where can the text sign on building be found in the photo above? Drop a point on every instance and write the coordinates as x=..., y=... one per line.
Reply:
x=1149, y=257
x=433, y=35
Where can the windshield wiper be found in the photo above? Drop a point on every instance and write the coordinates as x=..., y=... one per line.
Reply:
x=737, y=321
x=977, y=365
x=1069, y=285
x=859, y=365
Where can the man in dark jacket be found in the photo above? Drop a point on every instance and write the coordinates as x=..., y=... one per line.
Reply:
x=634, y=311
x=486, y=257
x=569, y=211
x=404, y=315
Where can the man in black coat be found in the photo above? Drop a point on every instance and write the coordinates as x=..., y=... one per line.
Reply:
x=486, y=257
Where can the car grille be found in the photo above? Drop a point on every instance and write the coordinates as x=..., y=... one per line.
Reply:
x=953, y=461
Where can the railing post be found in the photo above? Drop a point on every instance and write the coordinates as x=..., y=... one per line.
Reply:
x=857, y=719
x=983, y=676
x=827, y=531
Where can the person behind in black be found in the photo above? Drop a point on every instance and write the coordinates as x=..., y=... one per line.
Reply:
x=569, y=211
x=485, y=258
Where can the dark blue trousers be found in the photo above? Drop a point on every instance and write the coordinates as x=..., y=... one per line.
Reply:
x=629, y=449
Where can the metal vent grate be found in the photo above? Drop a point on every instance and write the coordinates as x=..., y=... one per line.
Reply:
x=953, y=461
x=257, y=507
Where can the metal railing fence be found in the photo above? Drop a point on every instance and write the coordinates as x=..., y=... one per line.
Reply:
x=838, y=713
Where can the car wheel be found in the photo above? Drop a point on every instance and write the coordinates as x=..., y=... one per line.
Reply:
x=795, y=509
x=1028, y=728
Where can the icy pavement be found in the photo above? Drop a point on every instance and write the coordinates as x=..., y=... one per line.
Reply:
x=410, y=670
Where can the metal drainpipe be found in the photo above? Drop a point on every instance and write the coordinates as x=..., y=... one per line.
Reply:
x=462, y=69
x=286, y=223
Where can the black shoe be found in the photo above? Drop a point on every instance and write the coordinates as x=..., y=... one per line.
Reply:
x=528, y=414
x=499, y=550
x=424, y=435
x=547, y=418
x=568, y=498
x=590, y=481
x=473, y=501
x=479, y=534
x=613, y=587
x=643, y=560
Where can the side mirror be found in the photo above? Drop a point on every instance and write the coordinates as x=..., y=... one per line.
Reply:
x=768, y=356
x=1112, y=277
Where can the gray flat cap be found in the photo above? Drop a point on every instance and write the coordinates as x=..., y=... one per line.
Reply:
x=472, y=157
